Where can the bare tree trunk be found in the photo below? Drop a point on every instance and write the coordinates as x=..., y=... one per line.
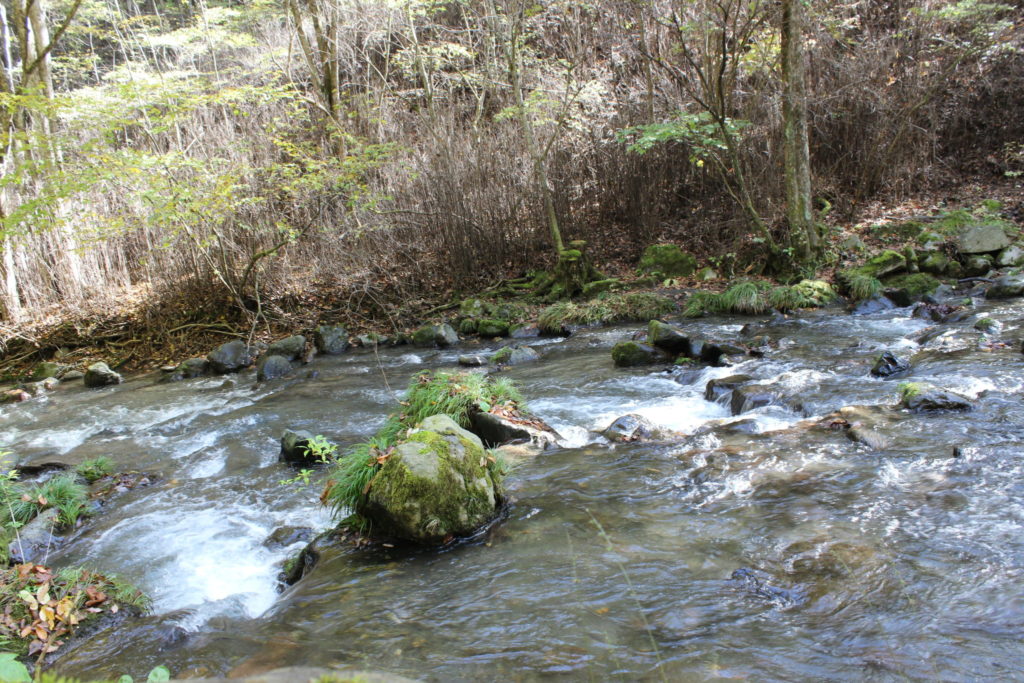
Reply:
x=797, y=162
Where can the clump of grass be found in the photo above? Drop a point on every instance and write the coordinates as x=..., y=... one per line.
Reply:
x=63, y=492
x=605, y=309
x=861, y=286
x=456, y=395
x=95, y=469
x=909, y=390
x=753, y=298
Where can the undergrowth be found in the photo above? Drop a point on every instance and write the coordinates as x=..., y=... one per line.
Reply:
x=456, y=395
x=95, y=469
x=605, y=309
x=754, y=297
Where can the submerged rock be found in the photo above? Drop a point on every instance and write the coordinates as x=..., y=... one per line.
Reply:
x=434, y=486
x=889, y=365
x=750, y=397
x=492, y=328
x=233, y=356
x=875, y=304
x=35, y=539
x=100, y=375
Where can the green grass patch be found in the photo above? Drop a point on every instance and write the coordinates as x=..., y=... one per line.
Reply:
x=605, y=309
x=860, y=286
x=95, y=468
x=64, y=492
x=909, y=390
x=456, y=395
x=754, y=298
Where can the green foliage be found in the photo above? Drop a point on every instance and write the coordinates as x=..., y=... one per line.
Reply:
x=666, y=260
x=95, y=468
x=457, y=395
x=909, y=390
x=861, y=286
x=700, y=132
x=63, y=492
x=11, y=670
x=754, y=297
x=605, y=309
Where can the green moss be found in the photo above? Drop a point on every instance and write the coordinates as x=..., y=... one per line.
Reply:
x=629, y=354
x=95, y=468
x=909, y=390
x=489, y=327
x=501, y=355
x=914, y=285
x=666, y=260
x=468, y=326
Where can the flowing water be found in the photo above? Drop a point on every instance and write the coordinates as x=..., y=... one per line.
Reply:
x=757, y=546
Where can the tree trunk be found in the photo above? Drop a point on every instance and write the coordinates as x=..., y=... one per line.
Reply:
x=803, y=233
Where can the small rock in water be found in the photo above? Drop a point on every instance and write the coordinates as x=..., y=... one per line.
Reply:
x=923, y=398
x=875, y=304
x=889, y=365
x=631, y=427
x=472, y=361
x=100, y=375
x=717, y=389
x=751, y=396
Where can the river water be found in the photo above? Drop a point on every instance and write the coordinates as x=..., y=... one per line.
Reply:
x=613, y=561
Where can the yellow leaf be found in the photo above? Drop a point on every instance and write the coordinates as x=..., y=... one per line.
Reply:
x=47, y=613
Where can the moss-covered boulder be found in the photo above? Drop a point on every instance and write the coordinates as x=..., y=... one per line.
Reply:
x=435, y=335
x=883, y=264
x=1006, y=287
x=468, y=326
x=978, y=265
x=934, y=262
x=814, y=292
x=490, y=327
x=45, y=370
x=629, y=354
x=188, y=369
x=666, y=260
x=925, y=398
x=438, y=484
x=472, y=308
x=910, y=288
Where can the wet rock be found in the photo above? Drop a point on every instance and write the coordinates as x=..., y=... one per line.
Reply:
x=977, y=266
x=295, y=447
x=284, y=536
x=982, y=239
x=875, y=304
x=816, y=560
x=889, y=365
x=371, y=340
x=36, y=539
x=435, y=335
x=631, y=427
x=938, y=313
x=1006, y=287
x=472, y=361
x=72, y=375
x=302, y=562
x=631, y=354
x=1010, y=257
x=904, y=290
x=289, y=348
x=188, y=369
x=922, y=398
x=717, y=389
x=492, y=328
x=524, y=331
x=100, y=375
x=272, y=367
x=331, y=339
x=434, y=486
x=750, y=397
x=14, y=396
x=515, y=355
x=669, y=338
x=233, y=356
x=495, y=430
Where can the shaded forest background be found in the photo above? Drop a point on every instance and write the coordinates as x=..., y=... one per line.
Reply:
x=183, y=159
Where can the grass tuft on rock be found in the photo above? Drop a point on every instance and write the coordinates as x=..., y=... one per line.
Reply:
x=753, y=298
x=456, y=395
x=95, y=468
x=605, y=309
x=63, y=492
x=861, y=286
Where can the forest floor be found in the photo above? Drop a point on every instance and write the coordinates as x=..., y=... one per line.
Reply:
x=136, y=335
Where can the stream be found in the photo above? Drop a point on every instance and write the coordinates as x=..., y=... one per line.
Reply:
x=754, y=546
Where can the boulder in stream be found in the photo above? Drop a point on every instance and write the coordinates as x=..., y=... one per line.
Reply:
x=1006, y=287
x=100, y=375
x=295, y=447
x=672, y=339
x=495, y=430
x=750, y=397
x=629, y=354
x=925, y=398
x=717, y=389
x=331, y=339
x=472, y=361
x=435, y=335
x=876, y=304
x=889, y=365
x=630, y=428
x=515, y=355
x=188, y=369
x=272, y=367
x=434, y=486
x=232, y=356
